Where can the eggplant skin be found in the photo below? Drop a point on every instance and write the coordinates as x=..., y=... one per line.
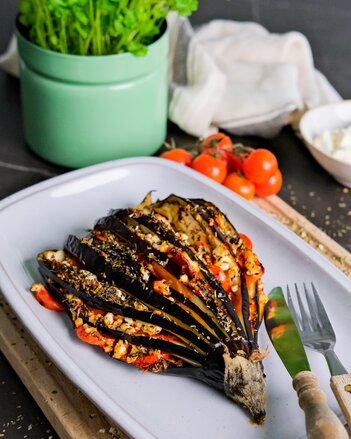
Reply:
x=168, y=286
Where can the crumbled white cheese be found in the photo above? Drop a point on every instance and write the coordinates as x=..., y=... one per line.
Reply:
x=337, y=143
x=184, y=278
x=108, y=319
x=145, y=274
x=58, y=255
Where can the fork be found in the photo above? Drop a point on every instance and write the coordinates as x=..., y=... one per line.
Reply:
x=317, y=333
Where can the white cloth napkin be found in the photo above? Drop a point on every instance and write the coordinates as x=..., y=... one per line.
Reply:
x=239, y=77
x=9, y=60
x=234, y=76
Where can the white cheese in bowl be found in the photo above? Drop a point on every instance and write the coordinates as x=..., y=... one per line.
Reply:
x=337, y=143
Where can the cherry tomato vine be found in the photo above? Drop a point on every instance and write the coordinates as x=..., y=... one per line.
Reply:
x=242, y=169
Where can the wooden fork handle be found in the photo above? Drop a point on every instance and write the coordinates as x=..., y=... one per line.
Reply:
x=321, y=421
x=341, y=386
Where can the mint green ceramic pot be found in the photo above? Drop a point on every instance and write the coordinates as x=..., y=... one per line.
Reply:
x=82, y=110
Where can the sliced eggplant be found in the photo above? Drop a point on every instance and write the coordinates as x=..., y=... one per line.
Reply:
x=168, y=286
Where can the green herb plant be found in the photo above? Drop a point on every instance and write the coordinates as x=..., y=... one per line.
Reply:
x=98, y=27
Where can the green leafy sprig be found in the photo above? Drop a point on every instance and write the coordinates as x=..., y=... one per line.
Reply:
x=98, y=27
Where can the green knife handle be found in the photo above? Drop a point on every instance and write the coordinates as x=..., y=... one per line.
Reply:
x=321, y=421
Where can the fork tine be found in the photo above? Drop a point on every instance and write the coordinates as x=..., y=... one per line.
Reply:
x=304, y=316
x=314, y=321
x=293, y=310
x=323, y=316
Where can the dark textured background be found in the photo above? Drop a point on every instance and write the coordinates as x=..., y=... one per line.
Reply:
x=326, y=23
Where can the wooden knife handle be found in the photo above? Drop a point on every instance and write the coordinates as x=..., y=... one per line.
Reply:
x=341, y=386
x=321, y=421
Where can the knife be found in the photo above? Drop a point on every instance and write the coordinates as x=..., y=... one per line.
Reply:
x=321, y=421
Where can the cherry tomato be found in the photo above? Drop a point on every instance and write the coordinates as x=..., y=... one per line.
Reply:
x=94, y=337
x=240, y=185
x=220, y=276
x=260, y=165
x=178, y=155
x=219, y=141
x=45, y=298
x=96, y=311
x=271, y=187
x=247, y=240
x=236, y=159
x=234, y=163
x=149, y=360
x=220, y=154
x=218, y=145
x=210, y=166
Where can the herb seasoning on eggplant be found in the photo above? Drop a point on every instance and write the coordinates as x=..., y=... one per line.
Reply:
x=168, y=287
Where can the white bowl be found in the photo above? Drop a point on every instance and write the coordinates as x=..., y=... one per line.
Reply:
x=327, y=117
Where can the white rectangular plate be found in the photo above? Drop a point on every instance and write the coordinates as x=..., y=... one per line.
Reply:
x=148, y=405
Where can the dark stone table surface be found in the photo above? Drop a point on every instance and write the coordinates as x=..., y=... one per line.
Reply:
x=307, y=187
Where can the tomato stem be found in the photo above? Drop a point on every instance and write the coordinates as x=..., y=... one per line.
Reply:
x=241, y=150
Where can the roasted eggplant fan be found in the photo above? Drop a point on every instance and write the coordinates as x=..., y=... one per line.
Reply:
x=168, y=287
